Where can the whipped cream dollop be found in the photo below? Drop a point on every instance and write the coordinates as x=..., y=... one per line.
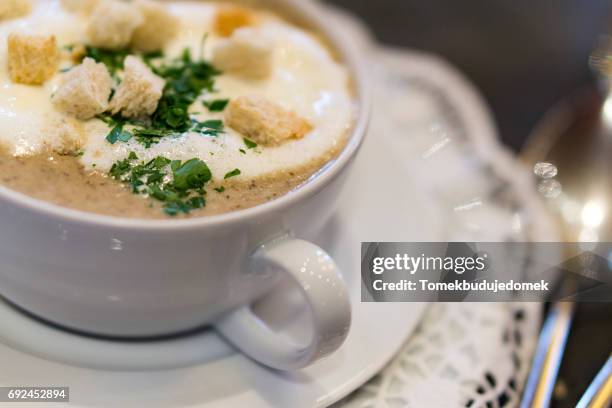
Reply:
x=305, y=78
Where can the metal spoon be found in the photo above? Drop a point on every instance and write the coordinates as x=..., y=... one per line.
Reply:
x=599, y=393
x=571, y=153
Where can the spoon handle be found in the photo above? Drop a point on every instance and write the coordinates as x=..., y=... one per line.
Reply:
x=599, y=393
x=549, y=352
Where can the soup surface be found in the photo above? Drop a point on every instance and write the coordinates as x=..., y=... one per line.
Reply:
x=233, y=107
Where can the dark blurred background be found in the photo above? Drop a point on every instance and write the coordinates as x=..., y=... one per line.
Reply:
x=523, y=55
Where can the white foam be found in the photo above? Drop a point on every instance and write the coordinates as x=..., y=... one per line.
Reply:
x=305, y=79
x=26, y=111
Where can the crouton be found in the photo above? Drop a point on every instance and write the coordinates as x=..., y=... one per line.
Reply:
x=85, y=90
x=32, y=59
x=77, y=53
x=139, y=92
x=80, y=6
x=112, y=24
x=247, y=52
x=65, y=136
x=263, y=121
x=232, y=17
x=158, y=28
x=14, y=8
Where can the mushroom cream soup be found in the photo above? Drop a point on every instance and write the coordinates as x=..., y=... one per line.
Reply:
x=158, y=109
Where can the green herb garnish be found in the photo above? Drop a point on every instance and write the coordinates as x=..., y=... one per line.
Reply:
x=192, y=174
x=151, y=57
x=117, y=133
x=113, y=59
x=219, y=189
x=210, y=127
x=216, y=105
x=149, y=136
x=178, y=185
x=232, y=173
x=117, y=124
x=249, y=143
x=186, y=79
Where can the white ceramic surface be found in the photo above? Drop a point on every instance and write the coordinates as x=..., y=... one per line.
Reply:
x=133, y=278
x=323, y=290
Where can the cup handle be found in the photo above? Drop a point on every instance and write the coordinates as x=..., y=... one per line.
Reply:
x=325, y=293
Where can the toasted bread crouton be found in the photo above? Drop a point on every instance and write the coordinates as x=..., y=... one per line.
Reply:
x=65, y=136
x=77, y=53
x=247, y=52
x=32, y=59
x=14, y=9
x=158, y=28
x=112, y=24
x=80, y=6
x=85, y=90
x=139, y=92
x=264, y=122
x=232, y=17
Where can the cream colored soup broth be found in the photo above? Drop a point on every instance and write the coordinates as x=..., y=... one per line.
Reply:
x=63, y=181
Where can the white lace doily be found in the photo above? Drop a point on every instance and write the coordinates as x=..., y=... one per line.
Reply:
x=463, y=354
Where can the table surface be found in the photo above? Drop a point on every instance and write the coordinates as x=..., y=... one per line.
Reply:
x=524, y=56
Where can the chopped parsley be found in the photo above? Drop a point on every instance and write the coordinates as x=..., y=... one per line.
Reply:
x=117, y=125
x=148, y=136
x=211, y=127
x=117, y=133
x=178, y=185
x=232, y=173
x=249, y=143
x=219, y=189
x=186, y=79
x=216, y=105
x=113, y=59
x=151, y=57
